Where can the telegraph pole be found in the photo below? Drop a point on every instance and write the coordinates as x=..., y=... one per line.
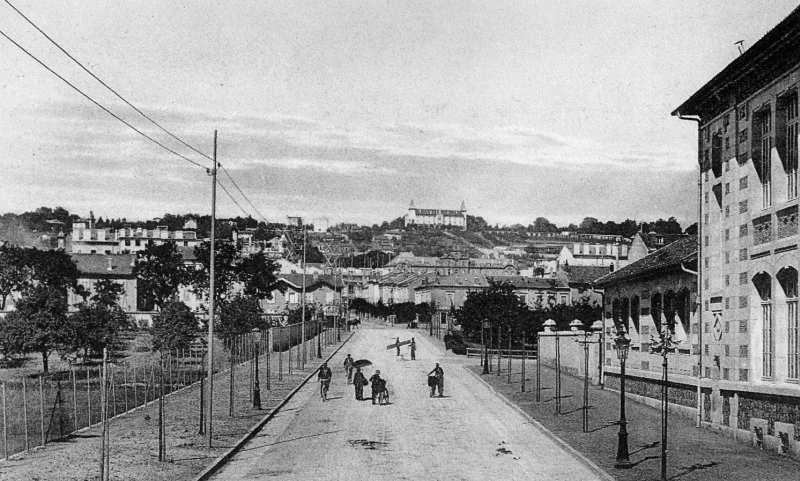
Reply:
x=303, y=301
x=210, y=404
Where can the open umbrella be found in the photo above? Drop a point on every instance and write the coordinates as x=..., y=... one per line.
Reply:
x=362, y=363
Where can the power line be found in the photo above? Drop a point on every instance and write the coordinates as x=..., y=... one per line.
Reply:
x=98, y=103
x=104, y=84
x=243, y=195
x=234, y=200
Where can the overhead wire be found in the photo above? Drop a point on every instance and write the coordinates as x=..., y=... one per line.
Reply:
x=105, y=84
x=243, y=194
x=98, y=104
x=234, y=200
x=131, y=106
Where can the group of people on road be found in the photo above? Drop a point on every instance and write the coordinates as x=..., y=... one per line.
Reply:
x=380, y=393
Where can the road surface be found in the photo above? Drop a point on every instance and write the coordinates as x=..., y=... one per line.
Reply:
x=468, y=434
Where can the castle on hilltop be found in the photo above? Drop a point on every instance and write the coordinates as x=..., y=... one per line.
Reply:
x=436, y=217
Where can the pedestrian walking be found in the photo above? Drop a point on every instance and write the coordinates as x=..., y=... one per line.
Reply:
x=324, y=378
x=377, y=385
x=398, y=346
x=413, y=348
x=348, y=366
x=359, y=380
x=436, y=380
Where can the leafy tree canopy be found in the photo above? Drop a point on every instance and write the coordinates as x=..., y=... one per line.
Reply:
x=161, y=272
x=175, y=327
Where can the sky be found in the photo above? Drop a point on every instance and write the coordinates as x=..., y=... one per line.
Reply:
x=346, y=111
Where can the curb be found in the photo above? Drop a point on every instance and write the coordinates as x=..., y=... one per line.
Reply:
x=536, y=424
x=215, y=465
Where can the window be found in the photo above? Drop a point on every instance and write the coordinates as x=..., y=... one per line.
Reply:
x=706, y=241
x=763, y=284
x=705, y=196
x=705, y=219
x=635, y=311
x=743, y=136
x=705, y=283
x=743, y=230
x=706, y=262
x=742, y=326
x=743, y=207
x=742, y=278
x=787, y=109
x=727, y=257
x=727, y=231
x=727, y=283
x=726, y=373
x=744, y=350
x=743, y=254
x=727, y=211
x=655, y=310
x=762, y=153
x=743, y=374
x=788, y=280
x=727, y=185
x=743, y=183
x=743, y=302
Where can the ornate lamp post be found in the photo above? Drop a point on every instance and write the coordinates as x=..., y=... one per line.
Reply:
x=256, y=386
x=622, y=343
x=663, y=345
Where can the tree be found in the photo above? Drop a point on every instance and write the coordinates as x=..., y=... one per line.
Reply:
x=241, y=314
x=498, y=305
x=39, y=320
x=258, y=274
x=161, y=272
x=98, y=324
x=175, y=327
x=14, y=271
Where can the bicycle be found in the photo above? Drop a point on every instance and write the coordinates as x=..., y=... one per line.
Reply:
x=323, y=389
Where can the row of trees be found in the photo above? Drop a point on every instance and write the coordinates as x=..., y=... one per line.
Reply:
x=503, y=310
x=43, y=323
x=405, y=312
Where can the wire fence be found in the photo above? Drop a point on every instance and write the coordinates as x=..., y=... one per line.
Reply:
x=43, y=408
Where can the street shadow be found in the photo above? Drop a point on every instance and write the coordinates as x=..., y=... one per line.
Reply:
x=644, y=459
x=291, y=440
x=611, y=424
x=693, y=468
x=440, y=397
x=335, y=398
x=646, y=446
x=576, y=410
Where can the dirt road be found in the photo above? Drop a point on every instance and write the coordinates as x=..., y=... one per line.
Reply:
x=468, y=434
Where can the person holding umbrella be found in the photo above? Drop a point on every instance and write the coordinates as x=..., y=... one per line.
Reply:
x=359, y=381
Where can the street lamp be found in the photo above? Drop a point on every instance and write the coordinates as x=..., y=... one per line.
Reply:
x=256, y=386
x=485, y=325
x=622, y=343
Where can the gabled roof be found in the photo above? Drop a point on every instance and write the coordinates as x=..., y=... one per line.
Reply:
x=655, y=241
x=671, y=256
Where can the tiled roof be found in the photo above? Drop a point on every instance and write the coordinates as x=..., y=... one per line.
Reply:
x=584, y=274
x=522, y=282
x=104, y=265
x=654, y=240
x=457, y=280
x=666, y=257
x=312, y=281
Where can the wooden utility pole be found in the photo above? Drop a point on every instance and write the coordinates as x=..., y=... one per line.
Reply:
x=210, y=403
x=303, y=301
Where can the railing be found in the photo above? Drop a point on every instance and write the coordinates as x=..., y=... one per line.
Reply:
x=515, y=353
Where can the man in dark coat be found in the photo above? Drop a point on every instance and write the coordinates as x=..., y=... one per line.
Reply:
x=348, y=366
x=359, y=381
x=324, y=378
x=377, y=385
x=413, y=348
x=438, y=373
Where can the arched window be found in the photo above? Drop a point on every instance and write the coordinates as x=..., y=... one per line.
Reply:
x=788, y=280
x=684, y=308
x=616, y=315
x=635, y=311
x=624, y=312
x=670, y=310
x=655, y=310
x=763, y=284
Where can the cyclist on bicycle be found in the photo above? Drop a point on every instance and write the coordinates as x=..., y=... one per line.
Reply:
x=324, y=378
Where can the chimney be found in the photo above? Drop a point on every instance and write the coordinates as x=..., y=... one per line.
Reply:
x=109, y=267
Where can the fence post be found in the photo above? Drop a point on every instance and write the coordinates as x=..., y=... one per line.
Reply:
x=88, y=397
x=135, y=403
x=125, y=383
x=269, y=352
x=113, y=370
x=25, y=412
x=234, y=342
x=5, y=424
x=41, y=408
x=74, y=395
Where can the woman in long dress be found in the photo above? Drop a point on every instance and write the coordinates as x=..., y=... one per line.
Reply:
x=358, y=382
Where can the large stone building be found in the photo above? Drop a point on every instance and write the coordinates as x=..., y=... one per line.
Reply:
x=747, y=118
x=436, y=217
x=88, y=239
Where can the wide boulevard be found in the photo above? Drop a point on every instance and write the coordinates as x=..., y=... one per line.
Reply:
x=470, y=433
